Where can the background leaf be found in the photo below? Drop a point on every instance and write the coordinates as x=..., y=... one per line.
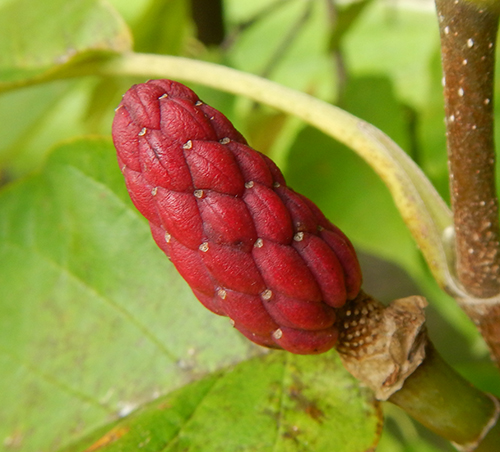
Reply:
x=288, y=43
x=279, y=402
x=397, y=42
x=40, y=41
x=162, y=27
x=60, y=32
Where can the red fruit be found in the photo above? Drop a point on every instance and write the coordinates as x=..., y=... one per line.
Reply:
x=248, y=246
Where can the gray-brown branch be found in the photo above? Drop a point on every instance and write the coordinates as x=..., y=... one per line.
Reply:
x=468, y=36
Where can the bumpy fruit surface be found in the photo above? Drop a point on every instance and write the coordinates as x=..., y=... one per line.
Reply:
x=248, y=246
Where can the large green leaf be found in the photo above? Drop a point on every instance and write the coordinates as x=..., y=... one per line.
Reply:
x=40, y=38
x=279, y=402
x=94, y=319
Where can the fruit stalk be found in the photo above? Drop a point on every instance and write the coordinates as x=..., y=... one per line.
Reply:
x=439, y=398
x=387, y=348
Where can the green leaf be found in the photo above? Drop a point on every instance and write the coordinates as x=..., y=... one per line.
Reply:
x=42, y=38
x=395, y=40
x=22, y=112
x=432, y=134
x=94, y=320
x=279, y=402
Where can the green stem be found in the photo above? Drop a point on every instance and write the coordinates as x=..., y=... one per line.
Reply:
x=439, y=398
x=421, y=207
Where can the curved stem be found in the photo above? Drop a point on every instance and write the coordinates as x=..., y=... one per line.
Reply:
x=421, y=207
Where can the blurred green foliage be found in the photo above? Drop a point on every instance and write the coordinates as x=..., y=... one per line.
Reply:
x=65, y=218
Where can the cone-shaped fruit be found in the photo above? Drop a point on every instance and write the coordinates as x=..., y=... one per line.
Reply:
x=249, y=246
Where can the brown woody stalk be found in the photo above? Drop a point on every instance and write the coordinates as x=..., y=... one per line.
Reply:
x=468, y=35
